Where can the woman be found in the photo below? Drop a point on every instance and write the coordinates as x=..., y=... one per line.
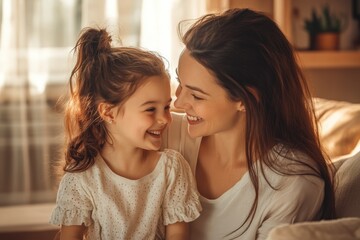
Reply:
x=249, y=132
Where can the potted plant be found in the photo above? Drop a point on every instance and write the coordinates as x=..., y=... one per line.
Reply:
x=324, y=30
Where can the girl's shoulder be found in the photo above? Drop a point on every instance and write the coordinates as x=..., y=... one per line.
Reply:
x=172, y=156
x=174, y=160
x=81, y=176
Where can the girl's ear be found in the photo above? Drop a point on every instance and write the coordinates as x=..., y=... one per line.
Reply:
x=106, y=112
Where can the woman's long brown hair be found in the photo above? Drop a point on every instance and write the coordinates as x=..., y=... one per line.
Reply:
x=246, y=50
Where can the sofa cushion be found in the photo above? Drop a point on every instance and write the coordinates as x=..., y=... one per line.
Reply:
x=344, y=229
x=339, y=126
x=347, y=189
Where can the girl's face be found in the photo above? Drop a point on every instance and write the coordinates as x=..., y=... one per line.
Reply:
x=209, y=110
x=141, y=120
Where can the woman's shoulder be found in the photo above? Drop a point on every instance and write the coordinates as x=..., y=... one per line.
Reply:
x=292, y=168
x=292, y=161
x=171, y=137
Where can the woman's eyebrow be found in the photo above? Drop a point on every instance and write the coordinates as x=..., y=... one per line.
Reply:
x=196, y=89
x=189, y=86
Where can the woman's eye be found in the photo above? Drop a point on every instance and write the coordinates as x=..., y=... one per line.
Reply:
x=152, y=109
x=196, y=97
x=167, y=107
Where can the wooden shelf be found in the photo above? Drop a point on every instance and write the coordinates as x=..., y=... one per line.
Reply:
x=281, y=10
x=329, y=59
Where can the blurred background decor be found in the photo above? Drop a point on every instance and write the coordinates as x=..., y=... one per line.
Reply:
x=356, y=16
x=324, y=29
x=36, y=41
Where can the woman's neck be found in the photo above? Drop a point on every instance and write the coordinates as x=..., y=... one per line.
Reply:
x=229, y=149
x=221, y=164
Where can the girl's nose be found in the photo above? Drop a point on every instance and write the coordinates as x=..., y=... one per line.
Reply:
x=164, y=118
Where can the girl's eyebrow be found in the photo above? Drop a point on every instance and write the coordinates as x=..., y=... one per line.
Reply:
x=153, y=102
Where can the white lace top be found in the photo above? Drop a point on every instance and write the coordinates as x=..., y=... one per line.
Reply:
x=114, y=207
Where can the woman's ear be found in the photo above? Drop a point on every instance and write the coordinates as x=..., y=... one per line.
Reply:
x=241, y=106
x=106, y=112
x=254, y=92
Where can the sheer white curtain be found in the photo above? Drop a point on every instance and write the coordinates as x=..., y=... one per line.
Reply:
x=159, y=26
x=36, y=38
x=35, y=42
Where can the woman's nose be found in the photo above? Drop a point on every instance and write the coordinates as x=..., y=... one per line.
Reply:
x=178, y=103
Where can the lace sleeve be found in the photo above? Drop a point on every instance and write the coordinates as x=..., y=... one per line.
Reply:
x=181, y=201
x=73, y=206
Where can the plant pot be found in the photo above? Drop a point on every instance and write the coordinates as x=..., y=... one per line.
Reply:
x=325, y=41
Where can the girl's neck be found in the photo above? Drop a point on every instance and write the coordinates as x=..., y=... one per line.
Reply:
x=131, y=163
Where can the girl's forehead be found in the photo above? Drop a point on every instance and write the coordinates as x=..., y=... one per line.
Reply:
x=154, y=88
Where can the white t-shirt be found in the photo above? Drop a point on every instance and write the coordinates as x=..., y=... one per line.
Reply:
x=114, y=207
x=298, y=198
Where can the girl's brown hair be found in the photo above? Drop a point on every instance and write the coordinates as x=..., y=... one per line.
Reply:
x=101, y=74
x=246, y=51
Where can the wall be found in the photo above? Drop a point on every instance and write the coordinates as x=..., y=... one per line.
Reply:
x=336, y=84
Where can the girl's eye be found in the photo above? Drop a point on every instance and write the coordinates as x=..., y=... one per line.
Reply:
x=167, y=107
x=196, y=97
x=152, y=109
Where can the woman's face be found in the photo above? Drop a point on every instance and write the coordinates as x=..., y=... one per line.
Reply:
x=208, y=108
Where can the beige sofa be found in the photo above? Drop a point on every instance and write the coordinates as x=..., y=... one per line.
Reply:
x=340, y=134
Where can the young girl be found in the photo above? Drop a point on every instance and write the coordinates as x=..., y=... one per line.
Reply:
x=117, y=184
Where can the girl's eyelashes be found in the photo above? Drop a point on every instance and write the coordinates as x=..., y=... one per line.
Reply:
x=151, y=109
